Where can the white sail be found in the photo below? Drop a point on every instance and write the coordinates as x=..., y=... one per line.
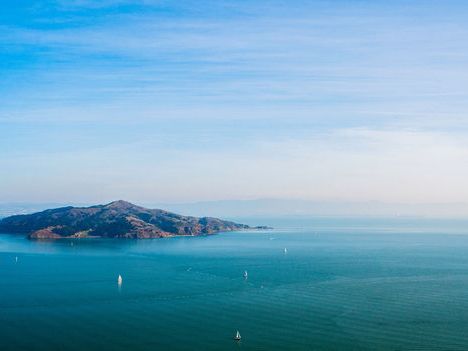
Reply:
x=119, y=279
x=246, y=274
x=285, y=250
x=238, y=336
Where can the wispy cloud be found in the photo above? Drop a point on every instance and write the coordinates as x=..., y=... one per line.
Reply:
x=253, y=61
x=334, y=99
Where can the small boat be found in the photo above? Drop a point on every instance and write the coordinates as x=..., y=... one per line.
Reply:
x=16, y=259
x=246, y=275
x=119, y=280
x=237, y=336
x=285, y=250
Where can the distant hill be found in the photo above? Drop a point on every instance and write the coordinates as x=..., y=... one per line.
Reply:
x=275, y=208
x=118, y=219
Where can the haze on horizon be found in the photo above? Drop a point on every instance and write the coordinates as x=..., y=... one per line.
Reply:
x=186, y=101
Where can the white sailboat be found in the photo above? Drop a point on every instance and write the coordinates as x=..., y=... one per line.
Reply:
x=246, y=275
x=238, y=336
x=285, y=250
x=119, y=280
x=16, y=259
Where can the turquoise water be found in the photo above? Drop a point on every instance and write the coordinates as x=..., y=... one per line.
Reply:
x=343, y=285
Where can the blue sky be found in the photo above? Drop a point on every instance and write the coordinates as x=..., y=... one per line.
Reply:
x=176, y=101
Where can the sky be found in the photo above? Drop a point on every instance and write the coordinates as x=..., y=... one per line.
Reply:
x=187, y=101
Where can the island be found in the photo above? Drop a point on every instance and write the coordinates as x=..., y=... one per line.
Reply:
x=118, y=219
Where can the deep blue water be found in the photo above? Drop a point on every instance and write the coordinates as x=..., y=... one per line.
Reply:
x=344, y=284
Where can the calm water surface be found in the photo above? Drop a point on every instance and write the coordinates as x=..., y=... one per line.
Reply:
x=342, y=285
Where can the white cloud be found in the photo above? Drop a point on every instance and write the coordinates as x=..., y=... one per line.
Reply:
x=342, y=102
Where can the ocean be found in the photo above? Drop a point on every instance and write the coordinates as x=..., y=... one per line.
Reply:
x=343, y=284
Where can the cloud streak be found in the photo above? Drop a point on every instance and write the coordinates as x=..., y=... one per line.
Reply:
x=326, y=100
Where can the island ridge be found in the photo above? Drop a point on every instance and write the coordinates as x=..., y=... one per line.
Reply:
x=118, y=219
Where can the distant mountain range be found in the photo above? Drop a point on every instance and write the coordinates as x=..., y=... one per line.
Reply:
x=295, y=207
x=118, y=219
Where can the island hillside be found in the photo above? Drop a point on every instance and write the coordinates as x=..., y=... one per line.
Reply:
x=118, y=219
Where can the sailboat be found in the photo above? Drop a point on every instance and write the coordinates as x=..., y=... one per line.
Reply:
x=16, y=259
x=119, y=280
x=238, y=336
x=285, y=250
x=246, y=275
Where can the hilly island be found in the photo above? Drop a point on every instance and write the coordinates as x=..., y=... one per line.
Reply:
x=118, y=219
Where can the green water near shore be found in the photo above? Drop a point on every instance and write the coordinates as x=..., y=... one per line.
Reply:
x=343, y=285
